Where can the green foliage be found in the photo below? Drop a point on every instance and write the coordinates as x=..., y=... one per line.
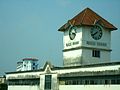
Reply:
x=3, y=86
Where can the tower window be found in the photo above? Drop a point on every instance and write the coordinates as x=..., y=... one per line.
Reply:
x=96, y=53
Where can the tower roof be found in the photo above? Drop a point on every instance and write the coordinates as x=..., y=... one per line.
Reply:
x=32, y=59
x=87, y=17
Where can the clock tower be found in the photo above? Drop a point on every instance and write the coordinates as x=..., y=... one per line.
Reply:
x=87, y=39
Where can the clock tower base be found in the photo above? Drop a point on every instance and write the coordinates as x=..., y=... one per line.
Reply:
x=83, y=56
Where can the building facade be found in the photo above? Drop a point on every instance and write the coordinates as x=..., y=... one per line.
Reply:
x=104, y=76
x=86, y=57
x=3, y=84
x=2, y=79
x=27, y=64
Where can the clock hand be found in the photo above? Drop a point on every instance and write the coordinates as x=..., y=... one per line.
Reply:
x=95, y=33
x=74, y=34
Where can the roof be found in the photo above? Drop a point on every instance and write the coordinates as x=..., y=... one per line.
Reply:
x=19, y=62
x=87, y=17
x=72, y=67
x=89, y=73
x=88, y=65
x=33, y=59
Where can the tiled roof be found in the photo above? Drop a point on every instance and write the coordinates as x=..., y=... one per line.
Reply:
x=87, y=17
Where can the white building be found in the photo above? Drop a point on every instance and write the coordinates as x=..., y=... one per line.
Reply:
x=2, y=80
x=86, y=54
x=27, y=64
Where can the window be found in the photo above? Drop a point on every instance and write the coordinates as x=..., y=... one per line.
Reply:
x=33, y=68
x=118, y=81
x=115, y=81
x=34, y=81
x=48, y=82
x=96, y=53
x=107, y=82
x=33, y=64
x=86, y=82
x=92, y=82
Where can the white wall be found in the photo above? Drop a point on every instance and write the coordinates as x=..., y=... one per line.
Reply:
x=78, y=38
x=104, y=50
x=83, y=34
x=22, y=87
x=42, y=81
x=73, y=56
x=89, y=87
x=106, y=38
x=84, y=55
x=87, y=57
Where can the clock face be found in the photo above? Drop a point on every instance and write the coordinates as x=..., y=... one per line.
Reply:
x=72, y=33
x=96, y=32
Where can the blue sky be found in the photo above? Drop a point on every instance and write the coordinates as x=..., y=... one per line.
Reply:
x=29, y=28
